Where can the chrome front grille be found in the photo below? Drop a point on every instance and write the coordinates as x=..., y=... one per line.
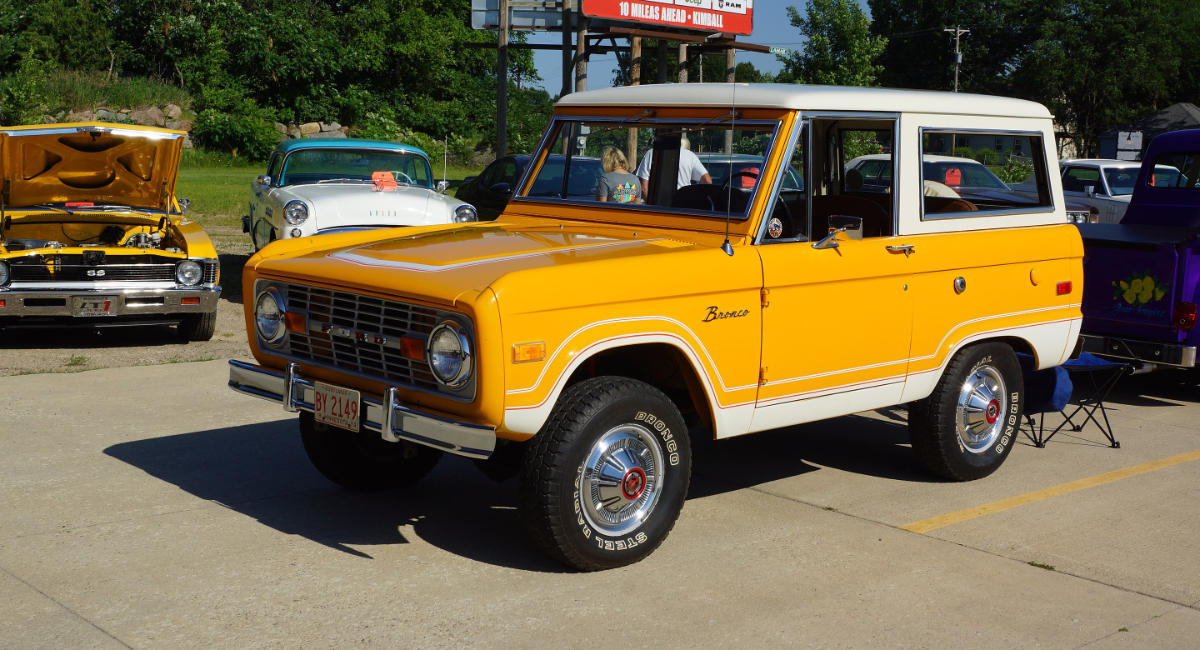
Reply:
x=361, y=335
x=102, y=273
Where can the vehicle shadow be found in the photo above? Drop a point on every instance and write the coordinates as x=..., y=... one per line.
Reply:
x=231, y=276
x=262, y=472
x=1155, y=389
x=88, y=338
x=855, y=443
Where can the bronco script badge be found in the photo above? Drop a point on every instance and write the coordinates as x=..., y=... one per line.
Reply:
x=714, y=314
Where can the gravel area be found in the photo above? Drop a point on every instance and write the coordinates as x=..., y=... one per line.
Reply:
x=30, y=351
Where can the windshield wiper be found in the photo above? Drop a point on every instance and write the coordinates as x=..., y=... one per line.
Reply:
x=344, y=180
x=51, y=207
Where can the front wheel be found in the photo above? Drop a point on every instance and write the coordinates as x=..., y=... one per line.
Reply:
x=605, y=479
x=966, y=428
x=198, y=327
x=362, y=460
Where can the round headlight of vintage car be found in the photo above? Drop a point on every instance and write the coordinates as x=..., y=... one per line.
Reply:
x=295, y=212
x=465, y=214
x=449, y=354
x=4, y=274
x=268, y=316
x=189, y=273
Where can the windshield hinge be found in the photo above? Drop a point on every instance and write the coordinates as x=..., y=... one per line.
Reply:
x=762, y=294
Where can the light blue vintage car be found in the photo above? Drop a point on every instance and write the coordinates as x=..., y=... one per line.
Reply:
x=318, y=186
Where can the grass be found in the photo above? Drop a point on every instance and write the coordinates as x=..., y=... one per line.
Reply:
x=76, y=360
x=1048, y=567
x=829, y=508
x=88, y=90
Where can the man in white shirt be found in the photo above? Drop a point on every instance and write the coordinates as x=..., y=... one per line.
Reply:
x=690, y=169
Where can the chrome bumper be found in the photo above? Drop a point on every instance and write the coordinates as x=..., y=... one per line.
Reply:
x=393, y=421
x=127, y=301
x=1165, y=354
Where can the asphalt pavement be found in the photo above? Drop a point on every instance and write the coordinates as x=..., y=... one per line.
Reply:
x=151, y=507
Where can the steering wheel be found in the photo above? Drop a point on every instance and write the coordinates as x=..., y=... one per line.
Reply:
x=747, y=174
x=407, y=179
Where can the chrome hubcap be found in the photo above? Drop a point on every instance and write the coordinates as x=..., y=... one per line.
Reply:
x=981, y=407
x=622, y=478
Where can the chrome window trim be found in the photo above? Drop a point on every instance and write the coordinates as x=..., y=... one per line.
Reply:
x=793, y=138
x=1044, y=172
x=519, y=196
x=465, y=394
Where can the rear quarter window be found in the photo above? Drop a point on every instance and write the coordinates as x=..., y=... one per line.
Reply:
x=1005, y=179
x=1178, y=171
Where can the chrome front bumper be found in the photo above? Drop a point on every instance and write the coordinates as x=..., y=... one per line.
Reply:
x=389, y=417
x=1165, y=354
x=127, y=301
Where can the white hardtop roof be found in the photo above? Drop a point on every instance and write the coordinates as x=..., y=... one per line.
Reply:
x=929, y=157
x=812, y=98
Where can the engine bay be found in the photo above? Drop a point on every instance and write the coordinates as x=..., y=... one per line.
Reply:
x=25, y=236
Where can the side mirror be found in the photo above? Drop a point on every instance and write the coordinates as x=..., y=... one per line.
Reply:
x=184, y=204
x=839, y=224
x=1090, y=191
x=469, y=179
x=501, y=188
x=443, y=186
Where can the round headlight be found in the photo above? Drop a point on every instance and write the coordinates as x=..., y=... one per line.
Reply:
x=449, y=354
x=3, y=274
x=268, y=316
x=189, y=273
x=465, y=213
x=295, y=212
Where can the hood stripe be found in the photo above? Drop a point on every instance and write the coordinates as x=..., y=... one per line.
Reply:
x=362, y=260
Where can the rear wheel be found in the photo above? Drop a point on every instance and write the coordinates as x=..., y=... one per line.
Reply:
x=362, y=460
x=198, y=327
x=966, y=428
x=605, y=479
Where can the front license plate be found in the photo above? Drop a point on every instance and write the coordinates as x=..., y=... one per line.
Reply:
x=95, y=305
x=336, y=405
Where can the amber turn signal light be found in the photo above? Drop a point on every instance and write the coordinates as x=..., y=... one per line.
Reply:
x=523, y=352
x=189, y=301
x=412, y=348
x=1064, y=288
x=295, y=322
x=2, y=302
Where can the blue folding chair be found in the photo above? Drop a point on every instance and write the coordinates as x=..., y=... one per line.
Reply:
x=1049, y=391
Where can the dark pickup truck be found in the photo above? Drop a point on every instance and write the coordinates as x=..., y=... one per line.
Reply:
x=1141, y=275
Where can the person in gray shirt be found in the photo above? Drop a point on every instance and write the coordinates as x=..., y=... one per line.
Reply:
x=617, y=184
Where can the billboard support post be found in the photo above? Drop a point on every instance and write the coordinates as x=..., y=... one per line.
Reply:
x=683, y=63
x=635, y=79
x=566, y=48
x=581, y=56
x=502, y=84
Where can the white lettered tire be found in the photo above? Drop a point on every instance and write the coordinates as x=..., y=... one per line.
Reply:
x=967, y=427
x=605, y=479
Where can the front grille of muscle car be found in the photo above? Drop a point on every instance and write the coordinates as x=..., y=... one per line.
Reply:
x=373, y=317
x=72, y=268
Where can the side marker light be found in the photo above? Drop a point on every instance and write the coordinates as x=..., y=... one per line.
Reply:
x=1063, y=288
x=524, y=352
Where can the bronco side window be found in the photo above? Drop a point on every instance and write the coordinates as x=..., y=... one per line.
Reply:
x=967, y=183
x=846, y=152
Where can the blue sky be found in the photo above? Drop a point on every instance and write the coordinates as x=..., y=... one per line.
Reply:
x=771, y=27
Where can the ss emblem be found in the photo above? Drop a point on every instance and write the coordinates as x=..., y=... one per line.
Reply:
x=96, y=273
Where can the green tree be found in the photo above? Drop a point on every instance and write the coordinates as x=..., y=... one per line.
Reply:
x=1100, y=63
x=713, y=68
x=919, y=54
x=839, y=49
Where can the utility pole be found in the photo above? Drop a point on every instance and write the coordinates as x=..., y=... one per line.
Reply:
x=581, y=56
x=958, y=32
x=502, y=84
x=567, y=53
x=635, y=79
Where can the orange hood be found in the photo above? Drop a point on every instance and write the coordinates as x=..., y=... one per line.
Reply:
x=443, y=264
x=92, y=162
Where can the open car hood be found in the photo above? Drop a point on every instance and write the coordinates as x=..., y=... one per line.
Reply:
x=92, y=162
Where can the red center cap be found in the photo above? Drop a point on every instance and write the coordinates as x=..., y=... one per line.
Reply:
x=634, y=483
x=993, y=411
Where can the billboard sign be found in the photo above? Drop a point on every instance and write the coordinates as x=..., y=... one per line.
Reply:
x=731, y=16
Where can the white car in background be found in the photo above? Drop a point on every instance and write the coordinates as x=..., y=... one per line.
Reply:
x=1106, y=185
x=315, y=187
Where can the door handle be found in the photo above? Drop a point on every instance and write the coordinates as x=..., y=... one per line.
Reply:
x=907, y=249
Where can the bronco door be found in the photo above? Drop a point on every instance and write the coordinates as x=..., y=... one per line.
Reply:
x=838, y=320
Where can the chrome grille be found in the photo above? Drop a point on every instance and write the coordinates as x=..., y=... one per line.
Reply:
x=96, y=273
x=378, y=325
x=210, y=271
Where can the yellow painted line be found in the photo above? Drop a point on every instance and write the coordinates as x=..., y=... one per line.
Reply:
x=926, y=525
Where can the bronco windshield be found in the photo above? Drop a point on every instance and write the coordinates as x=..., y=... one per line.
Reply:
x=682, y=166
x=354, y=165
